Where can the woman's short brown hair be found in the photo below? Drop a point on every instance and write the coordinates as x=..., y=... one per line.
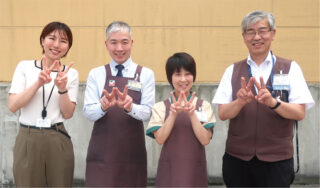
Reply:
x=62, y=28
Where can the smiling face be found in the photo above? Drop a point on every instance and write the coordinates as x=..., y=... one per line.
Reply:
x=182, y=81
x=259, y=43
x=119, y=45
x=55, y=45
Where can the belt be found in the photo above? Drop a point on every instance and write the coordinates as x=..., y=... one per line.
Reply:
x=53, y=127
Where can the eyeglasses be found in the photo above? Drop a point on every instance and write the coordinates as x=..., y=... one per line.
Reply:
x=252, y=33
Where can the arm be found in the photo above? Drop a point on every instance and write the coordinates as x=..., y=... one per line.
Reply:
x=290, y=110
x=203, y=135
x=20, y=99
x=66, y=105
x=162, y=134
x=229, y=110
x=17, y=101
x=92, y=107
x=285, y=110
x=142, y=111
x=244, y=96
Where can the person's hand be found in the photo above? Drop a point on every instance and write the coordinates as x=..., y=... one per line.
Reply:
x=62, y=79
x=176, y=105
x=188, y=105
x=44, y=75
x=264, y=96
x=245, y=94
x=108, y=100
x=124, y=100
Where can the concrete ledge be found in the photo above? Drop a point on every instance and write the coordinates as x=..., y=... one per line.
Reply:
x=80, y=131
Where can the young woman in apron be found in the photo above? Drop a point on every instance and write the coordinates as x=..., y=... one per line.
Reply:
x=184, y=125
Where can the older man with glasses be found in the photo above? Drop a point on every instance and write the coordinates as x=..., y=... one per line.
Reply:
x=262, y=96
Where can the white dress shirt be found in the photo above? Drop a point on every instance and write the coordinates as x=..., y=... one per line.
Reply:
x=96, y=82
x=299, y=92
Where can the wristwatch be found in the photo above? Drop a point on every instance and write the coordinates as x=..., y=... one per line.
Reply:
x=277, y=105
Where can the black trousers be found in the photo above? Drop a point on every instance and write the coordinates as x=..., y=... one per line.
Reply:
x=256, y=173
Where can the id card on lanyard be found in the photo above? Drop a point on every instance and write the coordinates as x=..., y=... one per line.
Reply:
x=44, y=122
x=281, y=86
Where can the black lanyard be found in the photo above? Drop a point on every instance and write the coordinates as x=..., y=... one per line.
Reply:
x=270, y=88
x=44, y=109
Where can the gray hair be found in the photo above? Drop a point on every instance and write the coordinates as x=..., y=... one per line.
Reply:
x=255, y=16
x=117, y=26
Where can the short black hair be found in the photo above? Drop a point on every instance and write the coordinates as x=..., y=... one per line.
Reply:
x=178, y=61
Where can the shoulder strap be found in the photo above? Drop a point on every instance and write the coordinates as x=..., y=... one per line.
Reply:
x=138, y=72
x=167, y=105
x=108, y=71
x=199, y=104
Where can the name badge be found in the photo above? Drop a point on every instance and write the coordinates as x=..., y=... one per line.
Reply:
x=202, y=116
x=134, y=85
x=281, y=82
x=43, y=123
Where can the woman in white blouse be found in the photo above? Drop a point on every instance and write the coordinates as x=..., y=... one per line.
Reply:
x=45, y=92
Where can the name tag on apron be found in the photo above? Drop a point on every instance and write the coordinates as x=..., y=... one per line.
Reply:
x=281, y=86
x=134, y=85
x=43, y=123
x=281, y=82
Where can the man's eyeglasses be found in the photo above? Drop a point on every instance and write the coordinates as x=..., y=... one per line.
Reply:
x=252, y=33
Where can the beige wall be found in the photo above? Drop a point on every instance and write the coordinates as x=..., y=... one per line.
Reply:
x=208, y=29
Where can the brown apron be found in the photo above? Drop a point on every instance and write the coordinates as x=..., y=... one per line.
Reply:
x=117, y=155
x=182, y=161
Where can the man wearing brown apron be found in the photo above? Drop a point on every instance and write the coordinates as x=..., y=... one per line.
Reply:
x=262, y=96
x=118, y=97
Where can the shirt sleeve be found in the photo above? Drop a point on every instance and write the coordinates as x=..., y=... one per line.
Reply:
x=207, y=109
x=142, y=111
x=299, y=91
x=18, y=83
x=73, y=84
x=157, y=118
x=224, y=92
x=92, y=107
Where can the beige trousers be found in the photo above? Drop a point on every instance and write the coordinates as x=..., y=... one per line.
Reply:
x=43, y=157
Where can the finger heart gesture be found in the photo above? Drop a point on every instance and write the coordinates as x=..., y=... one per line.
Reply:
x=108, y=100
x=124, y=100
x=62, y=79
x=182, y=104
x=245, y=94
x=44, y=75
x=263, y=96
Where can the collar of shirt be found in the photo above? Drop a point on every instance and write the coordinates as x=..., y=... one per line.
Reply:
x=126, y=65
x=263, y=70
x=266, y=63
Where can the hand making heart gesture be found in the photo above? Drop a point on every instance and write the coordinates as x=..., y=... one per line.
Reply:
x=62, y=79
x=44, y=75
x=245, y=94
x=182, y=104
x=188, y=105
x=124, y=100
x=264, y=96
x=108, y=100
